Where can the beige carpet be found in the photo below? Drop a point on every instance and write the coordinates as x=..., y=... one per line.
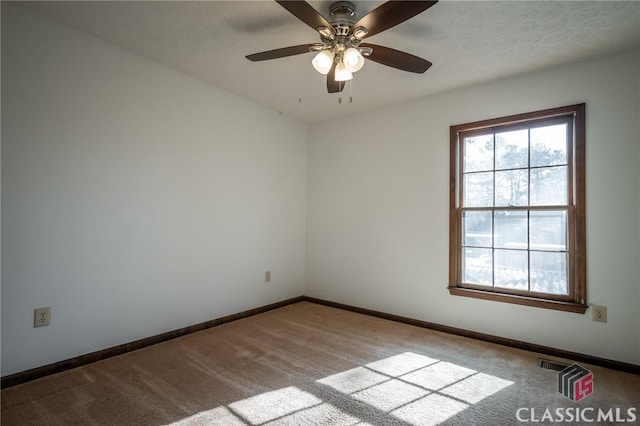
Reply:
x=309, y=364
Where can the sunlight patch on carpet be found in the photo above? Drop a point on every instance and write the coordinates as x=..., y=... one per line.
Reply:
x=219, y=416
x=437, y=376
x=323, y=414
x=407, y=387
x=391, y=394
x=415, y=388
x=274, y=404
x=403, y=363
x=430, y=410
x=286, y=406
x=476, y=388
x=354, y=380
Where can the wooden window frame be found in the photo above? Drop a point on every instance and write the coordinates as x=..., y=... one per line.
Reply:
x=576, y=301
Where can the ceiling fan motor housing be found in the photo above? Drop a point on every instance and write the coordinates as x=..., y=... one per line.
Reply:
x=342, y=15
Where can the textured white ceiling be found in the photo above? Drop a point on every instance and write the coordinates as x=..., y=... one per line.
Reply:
x=467, y=41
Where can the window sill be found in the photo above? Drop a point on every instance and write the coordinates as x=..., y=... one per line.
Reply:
x=520, y=300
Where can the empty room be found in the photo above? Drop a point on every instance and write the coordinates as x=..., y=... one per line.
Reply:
x=320, y=212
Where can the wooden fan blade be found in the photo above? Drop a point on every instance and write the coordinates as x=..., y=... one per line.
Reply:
x=306, y=13
x=397, y=59
x=334, y=86
x=390, y=14
x=280, y=53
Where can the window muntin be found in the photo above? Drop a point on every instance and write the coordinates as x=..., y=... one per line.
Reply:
x=517, y=210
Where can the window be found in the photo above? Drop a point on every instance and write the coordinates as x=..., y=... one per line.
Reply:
x=517, y=209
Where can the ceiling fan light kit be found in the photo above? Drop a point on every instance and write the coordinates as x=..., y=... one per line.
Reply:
x=342, y=73
x=353, y=59
x=341, y=52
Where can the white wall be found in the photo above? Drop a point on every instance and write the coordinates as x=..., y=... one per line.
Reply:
x=135, y=199
x=377, y=227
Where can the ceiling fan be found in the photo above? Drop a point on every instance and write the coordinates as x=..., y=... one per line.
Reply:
x=341, y=51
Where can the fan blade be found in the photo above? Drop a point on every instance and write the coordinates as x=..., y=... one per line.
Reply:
x=306, y=13
x=397, y=59
x=390, y=14
x=280, y=53
x=334, y=86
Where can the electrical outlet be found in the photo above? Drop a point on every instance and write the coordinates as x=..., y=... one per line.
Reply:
x=42, y=316
x=599, y=313
x=267, y=277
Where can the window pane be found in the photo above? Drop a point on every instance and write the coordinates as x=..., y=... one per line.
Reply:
x=478, y=190
x=478, y=153
x=512, y=149
x=511, y=188
x=549, y=272
x=549, y=145
x=510, y=229
x=517, y=199
x=548, y=230
x=477, y=266
x=511, y=269
x=476, y=229
x=549, y=186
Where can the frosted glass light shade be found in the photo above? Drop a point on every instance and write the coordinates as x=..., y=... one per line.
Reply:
x=342, y=73
x=323, y=61
x=353, y=60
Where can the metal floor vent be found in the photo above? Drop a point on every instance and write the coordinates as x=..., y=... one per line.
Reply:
x=551, y=365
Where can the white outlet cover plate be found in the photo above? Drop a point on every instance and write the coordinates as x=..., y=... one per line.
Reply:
x=599, y=313
x=42, y=317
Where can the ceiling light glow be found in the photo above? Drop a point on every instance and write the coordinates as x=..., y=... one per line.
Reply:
x=323, y=61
